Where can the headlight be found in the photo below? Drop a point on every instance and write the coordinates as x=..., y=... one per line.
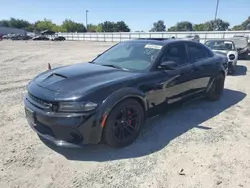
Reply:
x=76, y=106
x=231, y=57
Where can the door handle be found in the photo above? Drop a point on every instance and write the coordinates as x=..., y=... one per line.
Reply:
x=193, y=70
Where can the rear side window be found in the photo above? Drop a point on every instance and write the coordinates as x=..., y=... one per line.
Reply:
x=197, y=52
x=176, y=53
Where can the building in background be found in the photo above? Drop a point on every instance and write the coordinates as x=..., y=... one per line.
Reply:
x=8, y=30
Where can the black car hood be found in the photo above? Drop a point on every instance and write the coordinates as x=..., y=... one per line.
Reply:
x=81, y=78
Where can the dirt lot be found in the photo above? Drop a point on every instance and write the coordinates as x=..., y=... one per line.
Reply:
x=208, y=142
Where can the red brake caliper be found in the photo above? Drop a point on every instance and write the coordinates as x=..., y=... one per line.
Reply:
x=129, y=116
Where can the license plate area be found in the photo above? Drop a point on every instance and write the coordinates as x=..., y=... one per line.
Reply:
x=30, y=116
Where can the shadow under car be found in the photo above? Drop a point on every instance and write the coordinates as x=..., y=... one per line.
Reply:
x=159, y=131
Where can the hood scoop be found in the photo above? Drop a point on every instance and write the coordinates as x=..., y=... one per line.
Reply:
x=51, y=79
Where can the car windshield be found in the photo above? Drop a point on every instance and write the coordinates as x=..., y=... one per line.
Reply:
x=132, y=56
x=220, y=45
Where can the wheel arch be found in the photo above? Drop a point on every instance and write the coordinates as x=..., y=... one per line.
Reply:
x=126, y=93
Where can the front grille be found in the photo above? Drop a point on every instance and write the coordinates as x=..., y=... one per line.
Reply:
x=39, y=102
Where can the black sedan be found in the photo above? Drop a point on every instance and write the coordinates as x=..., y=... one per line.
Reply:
x=59, y=38
x=110, y=98
x=41, y=38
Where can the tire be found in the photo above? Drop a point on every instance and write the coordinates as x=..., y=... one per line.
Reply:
x=215, y=91
x=118, y=133
x=234, y=69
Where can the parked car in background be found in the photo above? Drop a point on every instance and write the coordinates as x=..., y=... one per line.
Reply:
x=228, y=48
x=195, y=38
x=8, y=36
x=109, y=98
x=59, y=38
x=241, y=35
x=41, y=37
x=20, y=37
x=242, y=46
x=1, y=37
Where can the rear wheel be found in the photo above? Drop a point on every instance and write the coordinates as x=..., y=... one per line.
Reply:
x=216, y=88
x=123, y=123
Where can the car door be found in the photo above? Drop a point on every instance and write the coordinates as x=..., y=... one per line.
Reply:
x=176, y=83
x=202, y=60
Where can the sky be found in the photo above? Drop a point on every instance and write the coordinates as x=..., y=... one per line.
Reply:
x=138, y=14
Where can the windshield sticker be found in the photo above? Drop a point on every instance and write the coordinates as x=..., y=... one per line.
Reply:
x=153, y=46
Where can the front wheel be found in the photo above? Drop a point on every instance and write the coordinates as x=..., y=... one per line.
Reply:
x=123, y=123
x=217, y=87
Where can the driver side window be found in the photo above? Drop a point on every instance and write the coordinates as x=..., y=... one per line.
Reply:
x=176, y=53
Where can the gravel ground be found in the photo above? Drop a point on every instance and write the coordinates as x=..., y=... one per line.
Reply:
x=200, y=144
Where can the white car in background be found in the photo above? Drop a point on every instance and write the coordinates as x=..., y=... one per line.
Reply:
x=226, y=47
x=242, y=45
x=195, y=38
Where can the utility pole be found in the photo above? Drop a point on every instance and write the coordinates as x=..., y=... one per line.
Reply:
x=216, y=11
x=87, y=20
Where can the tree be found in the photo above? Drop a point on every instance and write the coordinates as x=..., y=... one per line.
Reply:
x=99, y=28
x=108, y=26
x=158, y=26
x=48, y=24
x=173, y=28
x=243, y=26
x=71, y=26
x=217, y=25
x=121, y=27
x=184, y=26
x=17, y=23
x=220, y=25
x=199, y=27
x=4, y=23
x=246, y=23
x=237, y=28
x=92, y=28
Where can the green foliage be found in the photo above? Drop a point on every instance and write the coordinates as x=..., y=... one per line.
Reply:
x=199, y=27
x=71, y=26
x=158, y=26
x=173, y=28
x=17, y=23
x=4, y=23
x=92, y=28
x=99, y=28
x=108, y=26
x=48, y=24
x=217, y=25
x=243, y=26
x=184, y=26
x=121, y=26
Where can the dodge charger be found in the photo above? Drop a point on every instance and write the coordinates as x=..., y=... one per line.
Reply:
x=109, y=99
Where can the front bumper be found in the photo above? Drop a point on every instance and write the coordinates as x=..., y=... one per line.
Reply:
x=63, y=129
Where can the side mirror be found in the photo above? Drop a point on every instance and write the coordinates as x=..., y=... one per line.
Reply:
x=238, y=49
x=168, y=65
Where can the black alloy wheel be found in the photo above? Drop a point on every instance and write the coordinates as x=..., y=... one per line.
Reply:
x=123, y=123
